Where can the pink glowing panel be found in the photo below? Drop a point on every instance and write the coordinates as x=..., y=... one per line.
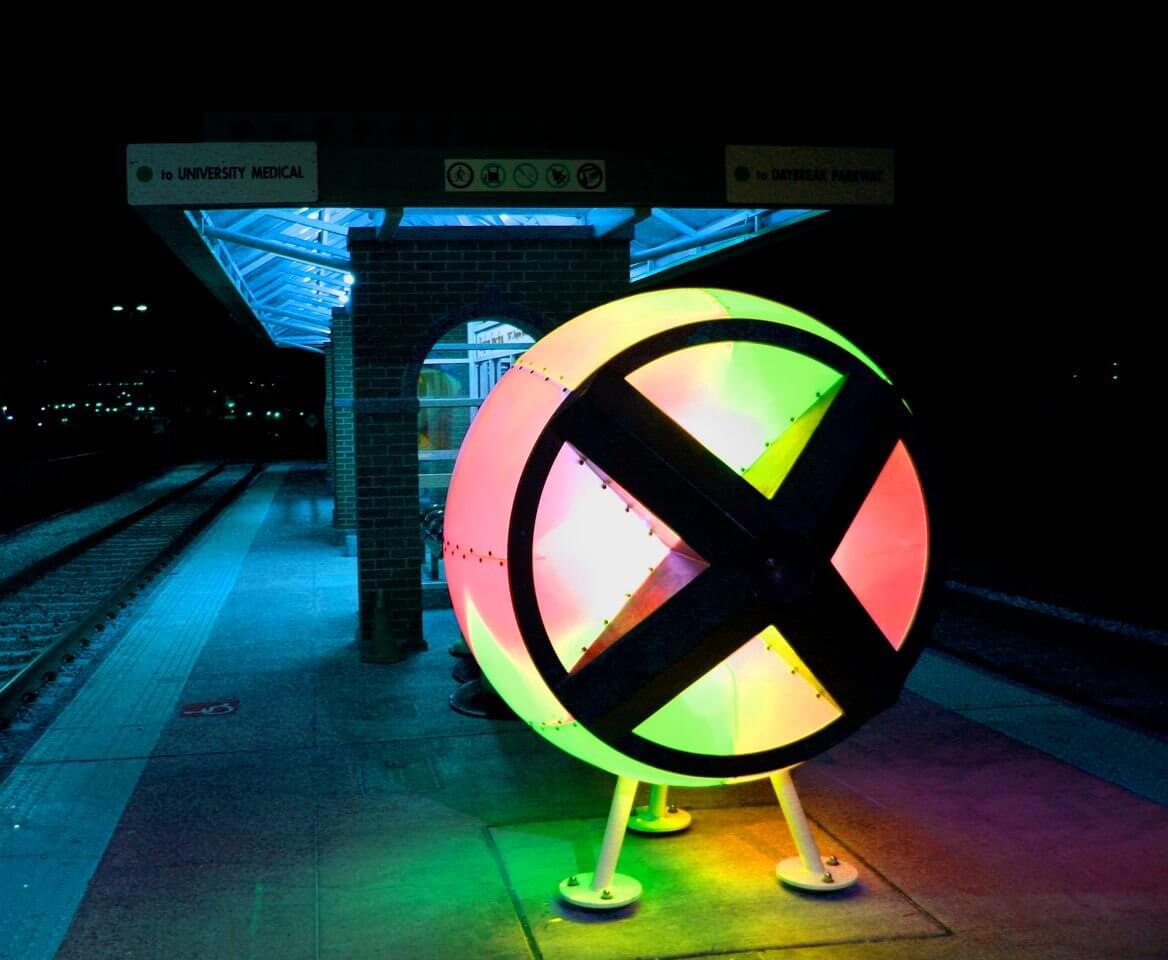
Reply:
x=478, y=505
x=492, y=457
x=884, y=554
x=590, y=554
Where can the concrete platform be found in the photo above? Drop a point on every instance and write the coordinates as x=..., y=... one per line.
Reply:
x=310, y=806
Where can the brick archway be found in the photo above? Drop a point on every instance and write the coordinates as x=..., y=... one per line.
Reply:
x=407, y=294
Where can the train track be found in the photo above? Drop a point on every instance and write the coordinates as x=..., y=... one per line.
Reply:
x=61, y=602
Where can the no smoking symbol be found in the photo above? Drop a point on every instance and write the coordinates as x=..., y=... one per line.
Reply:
x=761, y=464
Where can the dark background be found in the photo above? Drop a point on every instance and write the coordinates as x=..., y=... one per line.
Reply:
x=997, y=295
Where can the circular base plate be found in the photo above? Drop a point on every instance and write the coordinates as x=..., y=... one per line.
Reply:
x=672, y=822
x=465, y=669
x=621, y=892
x=473, y=701
x=791, y=871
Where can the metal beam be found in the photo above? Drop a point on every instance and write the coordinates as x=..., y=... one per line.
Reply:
x=257, y=263
x=299, y=317
x=300, y=325
x=605, y=220
x=388, y=222
x=744, y=224
x=286, y=250
x=329, y=226
x=675, y=222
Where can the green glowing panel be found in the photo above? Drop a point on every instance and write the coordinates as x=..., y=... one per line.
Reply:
x=735, y=398
x=759, y=698
x=746, y=306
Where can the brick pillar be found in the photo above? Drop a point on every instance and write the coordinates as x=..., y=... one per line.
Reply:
x=407, y=294
x=328, y=411
x=344, y=454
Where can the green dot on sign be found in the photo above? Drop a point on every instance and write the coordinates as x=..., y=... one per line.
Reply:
x=145, y=174
x=742, y=173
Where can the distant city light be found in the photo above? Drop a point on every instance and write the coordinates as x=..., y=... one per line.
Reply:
x=118, y=308
x=141, y=308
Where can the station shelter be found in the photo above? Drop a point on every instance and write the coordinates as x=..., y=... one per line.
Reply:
x=420, y=275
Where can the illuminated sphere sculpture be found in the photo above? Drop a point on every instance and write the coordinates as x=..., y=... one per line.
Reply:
x=686, y=540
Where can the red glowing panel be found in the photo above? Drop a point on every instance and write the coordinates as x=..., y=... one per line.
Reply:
x=883, y=555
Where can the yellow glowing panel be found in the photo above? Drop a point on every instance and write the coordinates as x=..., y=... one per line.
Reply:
x=734, y=398
x=767, y=473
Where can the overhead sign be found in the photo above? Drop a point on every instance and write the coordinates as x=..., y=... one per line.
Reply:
x=685, y=538
x=809, y=176
x=166, y=174
x=463, y=175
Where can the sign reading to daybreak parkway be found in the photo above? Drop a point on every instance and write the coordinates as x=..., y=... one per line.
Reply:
x=214, y=173
x=809, y=176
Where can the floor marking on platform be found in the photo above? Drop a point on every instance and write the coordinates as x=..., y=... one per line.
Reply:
x=57, y=816
x=1114, y=752
x=1133, y=630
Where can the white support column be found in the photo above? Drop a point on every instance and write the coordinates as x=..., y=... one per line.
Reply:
x=604, y=888
x=659, y=816
x=808, y=871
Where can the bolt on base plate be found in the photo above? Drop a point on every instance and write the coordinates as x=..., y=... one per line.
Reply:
x=792, y=872
x=672, y=821
x=622, y=891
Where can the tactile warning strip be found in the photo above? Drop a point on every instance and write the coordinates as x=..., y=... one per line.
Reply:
x=60, y=806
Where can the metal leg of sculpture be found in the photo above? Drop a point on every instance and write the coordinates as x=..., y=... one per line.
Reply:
x=604, y=888
x=808, y=871
x=659, y=816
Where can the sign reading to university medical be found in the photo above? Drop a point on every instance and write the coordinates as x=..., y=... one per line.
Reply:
x=214, y=173
x=811, y=176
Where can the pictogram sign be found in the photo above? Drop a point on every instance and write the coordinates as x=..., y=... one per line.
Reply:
x=686, y=540
x=213, y=708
